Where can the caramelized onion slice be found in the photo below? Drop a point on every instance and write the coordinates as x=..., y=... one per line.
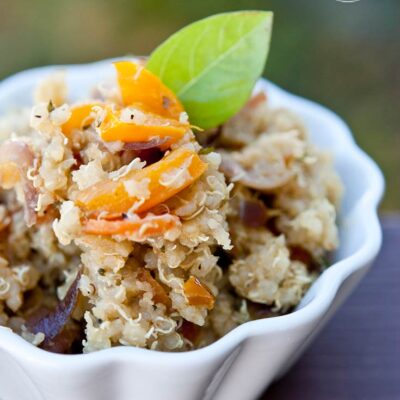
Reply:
x=253, y=213
x=150, y=156
x=258, y=311
x=16, y=158
x=190, y=331
x=266, y=180
x=151, y=144
x=150, y=151
x=53, y=324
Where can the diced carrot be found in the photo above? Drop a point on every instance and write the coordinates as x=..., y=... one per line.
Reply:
x=140, y=86
x=173, y=173
x=139, y=228
x=80, y=117
x=159, y=293
x=48, y=216
x=10, y=175
x=112, y=128
x=197, y=294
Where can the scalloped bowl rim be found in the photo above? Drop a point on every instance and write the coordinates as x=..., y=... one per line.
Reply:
x=328, y=282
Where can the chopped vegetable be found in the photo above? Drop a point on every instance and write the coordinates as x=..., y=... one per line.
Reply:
x=266, y=180
x=165, y=178
x=253, y=213
x=148, y=145
x=190, y=331
x=80, y=117
x=9, y=175
x=48, y=216
x=159, y=293
x=16, y=158
x=303, y=255
x=108, y=216
x=197, y=294
x=140, y=86
x=148, y=127
x=149, y=156
x=258, y=311
x=53, y=324
x=136, y=227
x=150, y=152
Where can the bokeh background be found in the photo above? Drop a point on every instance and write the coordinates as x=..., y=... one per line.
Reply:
x=346, y=56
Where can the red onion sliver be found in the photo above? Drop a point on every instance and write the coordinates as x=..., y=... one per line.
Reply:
x=53, y=323
x=253, y=213
x=270, y=180
x=21, y=155
x=151, y=144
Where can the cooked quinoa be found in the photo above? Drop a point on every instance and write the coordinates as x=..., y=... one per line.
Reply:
x=238, y=229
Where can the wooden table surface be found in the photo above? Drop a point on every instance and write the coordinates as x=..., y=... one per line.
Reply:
x=357, y=355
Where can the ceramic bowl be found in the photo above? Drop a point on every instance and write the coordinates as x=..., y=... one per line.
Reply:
x=245, y=361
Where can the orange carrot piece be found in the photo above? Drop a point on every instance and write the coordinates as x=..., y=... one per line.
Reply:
x=198, y=294
x=113, y=128
x=159, y=293
x=140, y=228
x=80, y=117
x=140, y=86
x=165, y=178
x=10, y=175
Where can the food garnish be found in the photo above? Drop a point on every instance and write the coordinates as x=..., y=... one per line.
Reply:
x=213, y=64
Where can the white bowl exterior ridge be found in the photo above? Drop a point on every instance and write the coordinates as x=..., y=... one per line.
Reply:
x=242, y=363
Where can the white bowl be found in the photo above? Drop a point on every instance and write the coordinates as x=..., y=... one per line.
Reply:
x=245, y=361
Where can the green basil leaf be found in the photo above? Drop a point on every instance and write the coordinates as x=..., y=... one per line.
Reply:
x=213, y=64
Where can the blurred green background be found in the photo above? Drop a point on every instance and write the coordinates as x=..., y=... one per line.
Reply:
x=346, y=56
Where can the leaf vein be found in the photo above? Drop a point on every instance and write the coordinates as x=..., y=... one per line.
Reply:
x=215, y=62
